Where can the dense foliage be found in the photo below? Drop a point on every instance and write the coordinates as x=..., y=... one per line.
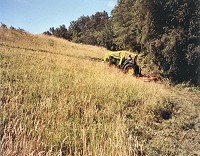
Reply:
x=166, y=31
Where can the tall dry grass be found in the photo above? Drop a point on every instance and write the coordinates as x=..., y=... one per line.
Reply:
x=56, y=100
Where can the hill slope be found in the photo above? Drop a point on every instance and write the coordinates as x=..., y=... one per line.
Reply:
x=56, y=100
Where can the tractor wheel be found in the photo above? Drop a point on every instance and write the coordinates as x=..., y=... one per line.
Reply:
x=129, y=69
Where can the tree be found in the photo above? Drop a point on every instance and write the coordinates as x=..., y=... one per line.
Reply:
x=167, y=31
x=3, y=25
x=61, y=32
x=91, y=30
x=177, y=50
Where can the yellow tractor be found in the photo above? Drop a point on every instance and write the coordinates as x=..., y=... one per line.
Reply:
x=125, y=60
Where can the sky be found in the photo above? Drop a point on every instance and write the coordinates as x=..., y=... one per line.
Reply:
x=37, y=16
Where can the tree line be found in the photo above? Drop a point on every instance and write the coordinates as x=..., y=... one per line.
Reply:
x=166, y=31
x=94, y=30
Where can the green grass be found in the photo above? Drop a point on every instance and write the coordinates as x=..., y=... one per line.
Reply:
x=56, y=100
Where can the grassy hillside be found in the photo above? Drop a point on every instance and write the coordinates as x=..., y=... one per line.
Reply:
x=56, y=99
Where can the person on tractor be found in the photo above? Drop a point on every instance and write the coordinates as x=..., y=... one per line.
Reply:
x=129, y=59
x=136, y=67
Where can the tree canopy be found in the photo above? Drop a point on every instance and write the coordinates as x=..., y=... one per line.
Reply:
x=94, y=30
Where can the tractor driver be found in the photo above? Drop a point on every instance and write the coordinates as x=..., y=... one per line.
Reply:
x=136, y=67
x=129, y=59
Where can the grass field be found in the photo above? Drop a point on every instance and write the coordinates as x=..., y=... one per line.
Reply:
x=57, y=99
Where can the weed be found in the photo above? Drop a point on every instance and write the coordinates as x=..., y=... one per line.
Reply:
x=56, y=101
